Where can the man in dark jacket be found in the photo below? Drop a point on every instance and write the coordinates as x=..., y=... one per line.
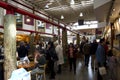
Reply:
x=51, y=57
x=93, y=49
x=22, y=51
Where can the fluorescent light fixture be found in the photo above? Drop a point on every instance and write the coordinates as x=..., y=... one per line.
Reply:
x=81, y=14
x=72, y=2
x=62, y=17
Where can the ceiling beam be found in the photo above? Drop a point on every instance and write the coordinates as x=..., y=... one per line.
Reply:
x=31, y=31
x=24, y=12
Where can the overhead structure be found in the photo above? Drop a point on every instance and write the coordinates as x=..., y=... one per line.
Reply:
x=70, y=9
x=24, y=12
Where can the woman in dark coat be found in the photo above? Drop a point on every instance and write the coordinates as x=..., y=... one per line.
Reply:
x=51, y=59
x=72, y=57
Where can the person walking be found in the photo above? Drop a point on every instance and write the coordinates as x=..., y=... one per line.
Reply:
x=59, y=51
x=52, y=58
x=72, y=57
x=101, y=57
x=93, y=49
x=86, y=52
x=112, y=65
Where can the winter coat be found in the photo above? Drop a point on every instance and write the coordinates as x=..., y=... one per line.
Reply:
x=59, y=52
x=100, y=54
x=86, y=49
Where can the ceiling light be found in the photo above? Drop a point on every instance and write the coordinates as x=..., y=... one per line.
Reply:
x=72, y=2
x=83, y=3
x=46, y=6
x=62, y=17
x=52, y=1
x=81, y=14
x=113, y=9
x=28, y=20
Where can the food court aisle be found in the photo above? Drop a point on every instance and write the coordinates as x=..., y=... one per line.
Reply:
x=82, y=73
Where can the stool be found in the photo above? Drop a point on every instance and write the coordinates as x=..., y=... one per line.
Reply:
x=41, y=72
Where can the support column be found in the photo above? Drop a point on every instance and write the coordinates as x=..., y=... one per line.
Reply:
x=9, y=45
x=78, y=39
x=32, y=43
x=59, y=35
x=1, y=16
x=64, y=40
x=37, y=38
x=112, y=34
x=54, y=38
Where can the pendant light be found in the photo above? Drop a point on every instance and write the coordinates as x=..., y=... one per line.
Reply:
x=81, y=14
x=72, y=2
x=62, y=17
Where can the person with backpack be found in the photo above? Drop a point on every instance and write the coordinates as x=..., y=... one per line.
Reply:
x=86, y=52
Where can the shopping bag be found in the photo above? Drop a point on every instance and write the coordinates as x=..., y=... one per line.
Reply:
x=102, y=70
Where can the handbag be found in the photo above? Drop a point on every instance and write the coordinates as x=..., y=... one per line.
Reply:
x=102, y=70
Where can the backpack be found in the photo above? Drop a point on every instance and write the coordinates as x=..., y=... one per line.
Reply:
x=53, y=55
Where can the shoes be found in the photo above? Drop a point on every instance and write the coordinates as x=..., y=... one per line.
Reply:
x=96, y=68
x=52, y=78
x=58, y=72
x=75, y=72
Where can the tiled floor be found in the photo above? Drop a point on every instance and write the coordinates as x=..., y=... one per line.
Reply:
x=82, y=73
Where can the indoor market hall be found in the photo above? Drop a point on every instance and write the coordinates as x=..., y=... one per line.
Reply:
x=59, y=39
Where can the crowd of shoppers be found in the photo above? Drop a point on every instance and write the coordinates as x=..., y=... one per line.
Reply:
x=53, y=53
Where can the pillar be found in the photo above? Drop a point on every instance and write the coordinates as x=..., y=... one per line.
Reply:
x=59, y=35
x=78, y=39
x=112, y=34
x=53, y=33
x=31, y=43
x=37, y=38
x=54, y=38
x=64, y=40
x=1, y=16
x=9, y=44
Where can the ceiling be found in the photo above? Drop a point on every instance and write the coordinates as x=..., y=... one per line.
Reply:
x=70, y=12
x=115, y=11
